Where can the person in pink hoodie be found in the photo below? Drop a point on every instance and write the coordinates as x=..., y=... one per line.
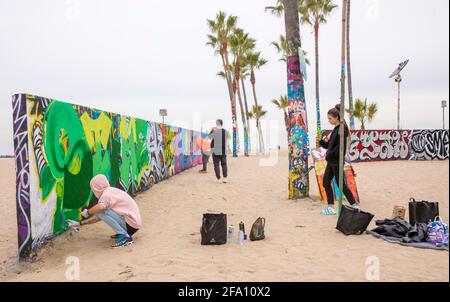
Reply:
x=116, y=208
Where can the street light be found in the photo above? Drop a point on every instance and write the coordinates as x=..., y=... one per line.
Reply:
x=444, y=105
x=163, y=113
x=398, y=80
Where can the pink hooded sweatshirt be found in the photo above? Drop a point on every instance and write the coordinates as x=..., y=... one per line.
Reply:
x=116, y=200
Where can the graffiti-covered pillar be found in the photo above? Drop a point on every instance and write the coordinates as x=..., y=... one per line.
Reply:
x=298, y=127
x=298, y=133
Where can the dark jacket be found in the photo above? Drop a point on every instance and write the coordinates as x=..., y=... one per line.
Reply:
x=333, y=144
x=399, y=228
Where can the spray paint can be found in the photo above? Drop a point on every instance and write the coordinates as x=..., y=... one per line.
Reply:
x=242, y=228
x=231, y=232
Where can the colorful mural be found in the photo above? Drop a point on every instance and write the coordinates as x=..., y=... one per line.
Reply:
x=298, y=132
x=59, y=147
x=380, y=145
x=320, y=164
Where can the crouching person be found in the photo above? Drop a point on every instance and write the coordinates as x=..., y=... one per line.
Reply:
x=116, y=208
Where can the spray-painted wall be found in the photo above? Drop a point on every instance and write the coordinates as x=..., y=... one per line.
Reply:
x=59, y=147
x=298, y=132
x=376, y=145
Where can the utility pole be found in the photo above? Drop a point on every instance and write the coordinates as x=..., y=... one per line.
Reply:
x=444, y=105
x=398, y=80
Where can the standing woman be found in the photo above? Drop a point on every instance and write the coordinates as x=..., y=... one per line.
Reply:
x=332, y=144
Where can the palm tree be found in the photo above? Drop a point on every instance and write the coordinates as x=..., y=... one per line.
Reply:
x=277, y=9
x=255, y=62
x=298, y=130
x=257, y=113
x=232, y=68
x=315, y=13
x=282, y=103
x=349, y=69
x=363, y=112
x=244, y=75
x=282, y=48
x=221, y=29
x=240, y=43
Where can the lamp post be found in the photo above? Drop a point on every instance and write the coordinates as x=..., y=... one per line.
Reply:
x=444, y=105
x=398, y=80
x=163, y=113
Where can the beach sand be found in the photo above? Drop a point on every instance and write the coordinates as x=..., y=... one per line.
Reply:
x=301, y=245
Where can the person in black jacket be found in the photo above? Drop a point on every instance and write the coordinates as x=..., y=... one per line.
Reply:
x=219, y=143
x=332, y=144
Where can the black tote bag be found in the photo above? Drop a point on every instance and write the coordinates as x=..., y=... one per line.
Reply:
x=214, y=229
x=422, y=211
x=353, y=221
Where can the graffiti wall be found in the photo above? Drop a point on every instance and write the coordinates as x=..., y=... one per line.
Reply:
x=59, y=147
x=378, y=145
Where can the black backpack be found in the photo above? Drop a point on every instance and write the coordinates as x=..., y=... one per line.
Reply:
x=257, y=232
x=214, y=229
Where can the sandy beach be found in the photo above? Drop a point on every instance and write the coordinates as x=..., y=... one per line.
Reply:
x=301, y=245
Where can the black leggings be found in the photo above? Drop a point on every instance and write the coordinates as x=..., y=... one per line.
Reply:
x=220, y=160
x=330, y=172
x=205, y=159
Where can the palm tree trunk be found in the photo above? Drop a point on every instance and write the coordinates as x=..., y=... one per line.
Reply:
x=261, y=138
x=316, y=42
x=341, y=128
x=349, y=71
x=225, y=70
x=234, y=120
x=246, y=114
x=258, y=125
x=233, y=103
x=298, y=133
x=244, y=122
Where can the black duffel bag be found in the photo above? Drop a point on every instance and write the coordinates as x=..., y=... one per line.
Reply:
x=422, y=211
x=214, y=229
x=353, y=221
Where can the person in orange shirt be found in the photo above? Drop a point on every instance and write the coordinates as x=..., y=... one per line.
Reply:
x=205, y=147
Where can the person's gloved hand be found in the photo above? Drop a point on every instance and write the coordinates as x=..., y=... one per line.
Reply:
x=85, y=213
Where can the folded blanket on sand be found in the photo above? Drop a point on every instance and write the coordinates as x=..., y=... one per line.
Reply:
x=422, y=245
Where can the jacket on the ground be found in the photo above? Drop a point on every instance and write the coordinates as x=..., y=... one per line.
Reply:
x=400, y=228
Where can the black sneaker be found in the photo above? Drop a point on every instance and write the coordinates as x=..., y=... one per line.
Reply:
x=123, y=240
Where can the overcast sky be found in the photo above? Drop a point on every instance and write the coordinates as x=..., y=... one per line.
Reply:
x=135, y=57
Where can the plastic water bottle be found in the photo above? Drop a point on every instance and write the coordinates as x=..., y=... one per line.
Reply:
x=241, y=237
x=231, y=232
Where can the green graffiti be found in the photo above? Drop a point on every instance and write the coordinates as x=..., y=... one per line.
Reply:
x=168, y=139
x=133, y=153
x=98, y=133
x=68, y=154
